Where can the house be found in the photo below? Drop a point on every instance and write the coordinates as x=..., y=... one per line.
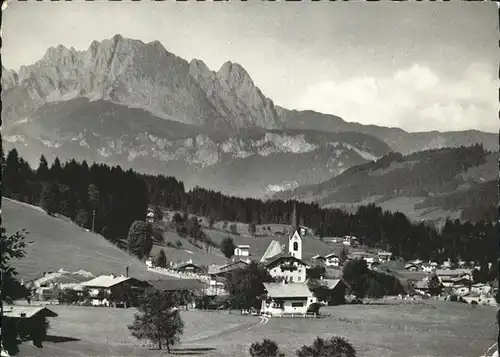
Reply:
x=189, y=267
x=188, y=287
x=349, y=241
x=113, y=285
x=150, y=216
x=422, y=286
x=26, y=317
x=292, y=298
x=319, y=258
x=242, y=250
x=27, y=311
x=481, y=288
x=412, y=267
x=287, y=267
x=460, y=290
x=369, y=258
x=428, y=268
x=448, y=274
x=384, y=256
x=217, y=275
x=332, y=260
x=219, y=272
x=337, y=291
x=454, y=281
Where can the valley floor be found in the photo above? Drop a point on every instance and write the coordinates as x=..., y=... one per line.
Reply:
x=430, y=328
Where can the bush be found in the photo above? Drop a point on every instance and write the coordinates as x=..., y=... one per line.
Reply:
x=266, y=348
x=333, y=347
x=313, y=308
x=178, y=243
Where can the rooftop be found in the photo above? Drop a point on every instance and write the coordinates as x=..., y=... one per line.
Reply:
x=280, y=290
x=22, y=311
x=453, y=272
x=176, y=285
x=331, y=283
x=282, y=256
x=105, y=281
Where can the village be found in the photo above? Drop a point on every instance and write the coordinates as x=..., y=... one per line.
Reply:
x=270, y=274
x=289, y=295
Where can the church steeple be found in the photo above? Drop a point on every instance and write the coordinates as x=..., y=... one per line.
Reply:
x=295, y=219
x=295, y=241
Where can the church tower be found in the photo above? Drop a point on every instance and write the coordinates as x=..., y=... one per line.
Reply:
x=295, y=240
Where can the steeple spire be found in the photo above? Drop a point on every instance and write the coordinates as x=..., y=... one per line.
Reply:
x=295, y=219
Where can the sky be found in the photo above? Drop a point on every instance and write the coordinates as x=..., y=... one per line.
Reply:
x=419, y=66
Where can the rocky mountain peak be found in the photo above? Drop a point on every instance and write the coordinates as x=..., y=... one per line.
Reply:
x=144, y=75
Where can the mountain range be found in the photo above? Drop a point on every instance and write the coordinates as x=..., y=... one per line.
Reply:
x=126, y=102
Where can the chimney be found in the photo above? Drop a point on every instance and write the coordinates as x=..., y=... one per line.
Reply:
x=126, y=272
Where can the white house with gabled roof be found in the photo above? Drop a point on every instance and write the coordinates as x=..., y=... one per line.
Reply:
x=292, y=298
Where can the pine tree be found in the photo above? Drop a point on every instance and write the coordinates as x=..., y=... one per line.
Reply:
x=161, y=259
x=51, y=198
x=140, y=242
x=227, y=247
x=11, y=179
x=42, y=172
x=434, y=285
x=82, y=218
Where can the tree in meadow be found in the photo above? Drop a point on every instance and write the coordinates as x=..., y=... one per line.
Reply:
x=434, y=285
x=12, y=247
x=161, y=259
x=252, y=228
x=140, y=242
x=343, y=254
x=233, y=228
x=158, y=214
x=245, y=285
x=158, y=319
x=227, y=247
x=356, y=275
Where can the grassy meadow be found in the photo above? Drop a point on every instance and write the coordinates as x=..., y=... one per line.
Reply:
x=386, y=329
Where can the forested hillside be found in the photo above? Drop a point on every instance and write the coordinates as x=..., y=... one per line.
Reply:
x=119, y=197
x=459, y=179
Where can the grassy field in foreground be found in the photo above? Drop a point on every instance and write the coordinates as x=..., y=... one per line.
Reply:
x=54, y=243
x=441, y=329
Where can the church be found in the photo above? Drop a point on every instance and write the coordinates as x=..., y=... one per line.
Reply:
x=287, y=266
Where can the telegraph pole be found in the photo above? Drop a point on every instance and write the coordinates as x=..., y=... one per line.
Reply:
x=93, y=221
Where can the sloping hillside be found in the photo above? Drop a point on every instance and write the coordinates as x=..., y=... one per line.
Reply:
x=53, y=243
x=413, y=184
x=258, y=245
x=187, y=251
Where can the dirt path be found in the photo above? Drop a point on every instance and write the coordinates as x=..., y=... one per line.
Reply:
x=245, y=326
